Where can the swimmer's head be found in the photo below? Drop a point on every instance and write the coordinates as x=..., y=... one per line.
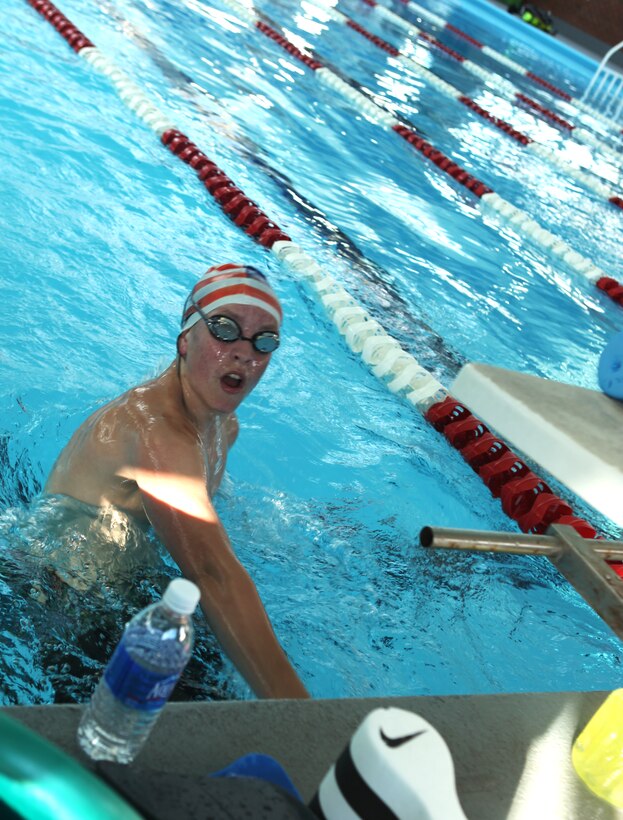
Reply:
x=230, y=284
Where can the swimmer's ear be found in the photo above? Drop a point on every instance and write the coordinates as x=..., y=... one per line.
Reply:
x=182, y=345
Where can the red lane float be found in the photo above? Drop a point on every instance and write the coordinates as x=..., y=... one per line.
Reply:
x=239, y=208
x=424, y=36
x=444, y=24
x=501, y=124
x=425, y=148
x=612, y=288
x=378, y=41
x=550, y=87
x=504, y=85
x=442, y=161
x=463, y=35
x=288, y=46
x=551, y=115
x=467, y=101
x=442, y=47
x=65, y=27
x=525, y=497
x=504, y=126
x=408, y=134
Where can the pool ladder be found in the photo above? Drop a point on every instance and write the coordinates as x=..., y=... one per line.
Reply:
x=582, y=561
x=605, y=90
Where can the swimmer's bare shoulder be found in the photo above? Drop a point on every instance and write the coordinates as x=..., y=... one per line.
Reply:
x=144, y=431
x=92, y=466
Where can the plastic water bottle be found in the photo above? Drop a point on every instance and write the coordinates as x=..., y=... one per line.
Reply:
x=597, y=754
x=140, y=676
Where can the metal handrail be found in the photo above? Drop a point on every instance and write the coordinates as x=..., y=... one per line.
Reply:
x=605, y=87
x=582, y=561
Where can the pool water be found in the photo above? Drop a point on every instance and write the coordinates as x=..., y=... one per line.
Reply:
x=332, y=477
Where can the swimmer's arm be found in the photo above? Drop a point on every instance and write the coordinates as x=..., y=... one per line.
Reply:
x=179, y=509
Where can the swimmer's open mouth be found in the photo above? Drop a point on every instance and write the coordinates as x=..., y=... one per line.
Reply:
x=232, y=382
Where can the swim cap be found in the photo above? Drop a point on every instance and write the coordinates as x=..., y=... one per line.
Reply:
x=230, y=284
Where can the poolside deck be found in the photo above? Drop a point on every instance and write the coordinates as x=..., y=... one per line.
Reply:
x=511, y=752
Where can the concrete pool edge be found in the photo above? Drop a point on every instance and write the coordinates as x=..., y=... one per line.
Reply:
x=511, y=751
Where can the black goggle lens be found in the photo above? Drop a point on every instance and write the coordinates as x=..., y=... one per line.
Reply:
x=226, y=329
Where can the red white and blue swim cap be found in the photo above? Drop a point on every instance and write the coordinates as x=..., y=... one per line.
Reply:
x=230, y=284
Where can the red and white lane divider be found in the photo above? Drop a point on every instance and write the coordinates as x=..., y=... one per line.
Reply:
x=589, y=181
x=502, y=86
x=491, y=203
x=525, y=497
x=439, y=22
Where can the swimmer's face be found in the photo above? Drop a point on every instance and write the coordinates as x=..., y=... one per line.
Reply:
x=220, y=373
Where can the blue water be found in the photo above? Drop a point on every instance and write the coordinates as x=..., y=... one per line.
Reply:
x=332, y=477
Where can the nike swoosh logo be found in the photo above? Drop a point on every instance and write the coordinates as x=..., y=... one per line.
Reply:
x=394, y=742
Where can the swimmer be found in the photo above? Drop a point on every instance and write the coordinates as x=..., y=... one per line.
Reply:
x=158, y=453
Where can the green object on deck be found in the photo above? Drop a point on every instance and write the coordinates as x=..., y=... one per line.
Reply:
x=531, y=14
x=40, y=782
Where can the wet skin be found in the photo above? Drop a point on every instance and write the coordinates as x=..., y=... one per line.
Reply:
x=159, y=452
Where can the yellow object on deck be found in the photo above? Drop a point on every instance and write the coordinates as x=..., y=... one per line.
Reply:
x=598, y=752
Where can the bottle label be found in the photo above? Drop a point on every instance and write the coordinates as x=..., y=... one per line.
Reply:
x=135, y=686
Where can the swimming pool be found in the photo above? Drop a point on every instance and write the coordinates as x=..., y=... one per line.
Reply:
x=333, y=476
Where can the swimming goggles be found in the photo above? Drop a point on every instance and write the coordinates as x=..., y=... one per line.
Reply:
x=226, y=329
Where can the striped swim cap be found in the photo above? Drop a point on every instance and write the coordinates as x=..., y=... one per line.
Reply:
x=230, y=284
